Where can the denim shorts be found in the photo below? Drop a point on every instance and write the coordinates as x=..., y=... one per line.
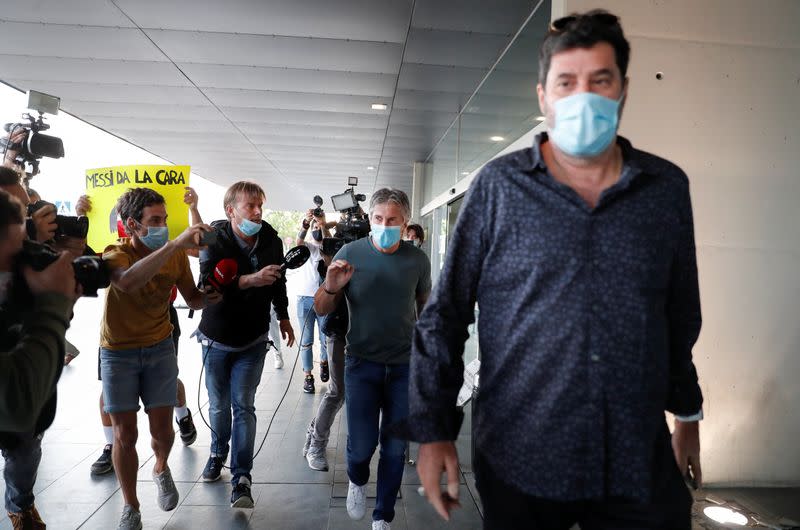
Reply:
x=149, y=373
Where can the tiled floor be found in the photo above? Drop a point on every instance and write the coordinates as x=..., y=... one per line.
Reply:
x=288, y=494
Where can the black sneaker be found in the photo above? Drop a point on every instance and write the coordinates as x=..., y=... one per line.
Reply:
x=103, y=464
x=187, y=429
x=308, y=385
x=324, y=372
x=213, y=469
x=240, y=496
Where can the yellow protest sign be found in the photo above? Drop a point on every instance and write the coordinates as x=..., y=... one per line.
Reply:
x=105, y=185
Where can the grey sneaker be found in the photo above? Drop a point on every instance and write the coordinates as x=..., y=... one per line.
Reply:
x=167, y=496
x=131, y=519
x=317, y=459
x=356, y=501
x=381, y=525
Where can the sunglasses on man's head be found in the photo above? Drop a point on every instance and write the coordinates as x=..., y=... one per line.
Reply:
x=561, y=24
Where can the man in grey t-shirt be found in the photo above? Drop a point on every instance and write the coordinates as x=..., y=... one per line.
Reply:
x=386, y=282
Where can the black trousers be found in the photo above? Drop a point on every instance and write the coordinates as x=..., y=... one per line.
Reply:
x=505, y=507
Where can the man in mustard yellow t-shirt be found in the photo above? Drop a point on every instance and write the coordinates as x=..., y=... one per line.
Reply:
x=137, y=356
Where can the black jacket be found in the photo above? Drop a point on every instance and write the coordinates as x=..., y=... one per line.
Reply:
x=243, y=315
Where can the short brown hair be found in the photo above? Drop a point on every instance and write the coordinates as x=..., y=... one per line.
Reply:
x=11, y=212
x=9, y=176
x=243, y=187
x=133, y=202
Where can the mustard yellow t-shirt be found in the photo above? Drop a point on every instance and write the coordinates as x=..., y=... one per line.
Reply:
x=140, y=318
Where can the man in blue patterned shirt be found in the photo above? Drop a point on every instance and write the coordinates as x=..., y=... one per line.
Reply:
x=589, y=312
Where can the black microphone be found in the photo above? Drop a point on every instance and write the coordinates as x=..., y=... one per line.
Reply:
x=295, y=258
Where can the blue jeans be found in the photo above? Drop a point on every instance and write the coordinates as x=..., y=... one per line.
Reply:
x=22, y=464
x=375, y=392
x=231, y=380
x=305, y=304
x=150, y=372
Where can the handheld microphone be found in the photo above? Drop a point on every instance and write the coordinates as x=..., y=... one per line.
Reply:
x=295, y=258
x=225, y=272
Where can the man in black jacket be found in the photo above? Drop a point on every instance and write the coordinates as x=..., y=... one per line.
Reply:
x=234, y=332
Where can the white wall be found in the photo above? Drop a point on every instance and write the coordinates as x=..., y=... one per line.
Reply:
x=728, y=112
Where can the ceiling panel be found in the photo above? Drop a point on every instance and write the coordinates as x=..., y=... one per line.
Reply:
x=90, y=71
x=290, y=80
x=229, y=97
x=50, y=40
x=115, y=93
x=367, y=20
x=279, y=52
x=83, y=12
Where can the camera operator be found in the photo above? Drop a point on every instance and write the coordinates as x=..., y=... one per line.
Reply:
x=334, y=328
x=307, y=285
x=137, y=355
x=31, y=356
x=42, y=225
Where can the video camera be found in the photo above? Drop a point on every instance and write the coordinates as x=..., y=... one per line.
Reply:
x=318, y=211
x=355, y=223
x=91, y=272
x=36, y=145
x=67, y=225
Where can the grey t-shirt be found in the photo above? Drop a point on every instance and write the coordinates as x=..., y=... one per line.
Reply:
x=381, y=298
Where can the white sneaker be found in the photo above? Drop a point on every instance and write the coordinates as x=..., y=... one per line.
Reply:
x=381, y=525
x=356, y=501
x=278, y=360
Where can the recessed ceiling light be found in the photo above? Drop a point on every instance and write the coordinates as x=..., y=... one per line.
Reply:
x=370, y=168
x=540, y=118
x=465, y=173
x=725, y=515
x=379, y=106
x=497, y=138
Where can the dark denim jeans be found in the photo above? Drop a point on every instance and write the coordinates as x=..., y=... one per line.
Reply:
x=21, y=466
x=376, y=397
x=232, y=379
x=305, y=305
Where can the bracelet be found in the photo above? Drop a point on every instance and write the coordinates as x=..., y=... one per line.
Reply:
x=332, y=293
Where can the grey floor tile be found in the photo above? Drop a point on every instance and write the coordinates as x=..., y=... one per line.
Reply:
x=339, y=520
x=107, y=516
x=209, y=517
x=420, y=514
x=60, y=514
x=292, y=506
x=215, y=494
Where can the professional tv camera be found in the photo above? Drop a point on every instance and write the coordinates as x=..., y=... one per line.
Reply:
x=35, y=145
x=354, y=224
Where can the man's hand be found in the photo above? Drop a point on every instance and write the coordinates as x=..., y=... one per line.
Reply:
x=18, y=137
x=190, y=238
x=44, y=219
x=287, y=332
x=338, y=275
x=435, y=458
x=190, y=197
x=74, y=246
x=83, y=206
x=267, y=276
x=212, y=296
x=686, y=446
x=58, y=277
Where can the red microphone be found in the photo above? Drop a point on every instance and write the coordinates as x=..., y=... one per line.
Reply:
x=225, y=273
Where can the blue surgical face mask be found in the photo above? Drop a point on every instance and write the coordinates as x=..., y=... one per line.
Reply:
x=385, y=236
x=248, y=227
x=586, y=124
x=156, y=237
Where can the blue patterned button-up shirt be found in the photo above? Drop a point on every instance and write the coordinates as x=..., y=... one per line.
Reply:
x=587, y=322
